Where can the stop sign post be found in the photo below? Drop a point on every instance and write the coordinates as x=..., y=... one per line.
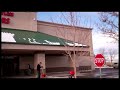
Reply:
x=99, y=61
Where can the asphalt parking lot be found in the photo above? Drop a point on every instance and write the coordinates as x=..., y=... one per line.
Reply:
x=105, y=73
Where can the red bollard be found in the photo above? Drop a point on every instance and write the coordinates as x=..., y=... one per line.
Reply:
x=43, y=75
x=72, y=73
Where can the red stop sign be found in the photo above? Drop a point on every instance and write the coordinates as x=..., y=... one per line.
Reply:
x=99, y=60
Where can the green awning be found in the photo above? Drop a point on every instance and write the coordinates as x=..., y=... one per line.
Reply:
x=30, y=37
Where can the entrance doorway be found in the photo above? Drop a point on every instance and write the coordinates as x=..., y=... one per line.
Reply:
x=9, y=65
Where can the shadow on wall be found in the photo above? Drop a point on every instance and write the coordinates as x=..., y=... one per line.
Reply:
x=85, y=68
x=86, y=64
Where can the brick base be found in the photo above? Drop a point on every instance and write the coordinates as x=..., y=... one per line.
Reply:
x=47, y=70
x=60, y=69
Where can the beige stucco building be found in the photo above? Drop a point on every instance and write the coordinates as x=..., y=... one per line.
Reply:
x=28, y=41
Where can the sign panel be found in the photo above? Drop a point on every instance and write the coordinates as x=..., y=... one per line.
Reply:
x=99, y=60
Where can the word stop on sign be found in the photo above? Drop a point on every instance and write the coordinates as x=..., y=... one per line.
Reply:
x=99, y=60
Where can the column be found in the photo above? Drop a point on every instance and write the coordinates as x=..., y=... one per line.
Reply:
x=39, y=57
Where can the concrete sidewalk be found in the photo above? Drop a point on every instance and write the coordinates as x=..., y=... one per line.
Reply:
x=53, y=75
x=65, y=74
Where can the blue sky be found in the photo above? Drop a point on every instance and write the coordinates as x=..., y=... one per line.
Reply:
x=46, y=16
x=99, y=40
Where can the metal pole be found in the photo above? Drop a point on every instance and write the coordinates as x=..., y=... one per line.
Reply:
x=100, y=72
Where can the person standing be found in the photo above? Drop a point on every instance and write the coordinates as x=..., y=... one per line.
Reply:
x=29, y=70
x=39, y=69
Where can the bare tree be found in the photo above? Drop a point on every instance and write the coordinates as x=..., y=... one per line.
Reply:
x=103, y=52
x=112, y=53
x=109, y=24
x=78, y=37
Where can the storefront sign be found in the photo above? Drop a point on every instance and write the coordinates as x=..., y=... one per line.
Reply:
x=6, y=20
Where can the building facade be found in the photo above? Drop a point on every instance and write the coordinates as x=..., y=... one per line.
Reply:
x=25, y=40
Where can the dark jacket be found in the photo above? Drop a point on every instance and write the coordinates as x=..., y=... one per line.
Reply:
x=29, y=66
x=38, y=67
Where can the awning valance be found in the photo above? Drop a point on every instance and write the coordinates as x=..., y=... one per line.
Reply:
x=30, y=37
